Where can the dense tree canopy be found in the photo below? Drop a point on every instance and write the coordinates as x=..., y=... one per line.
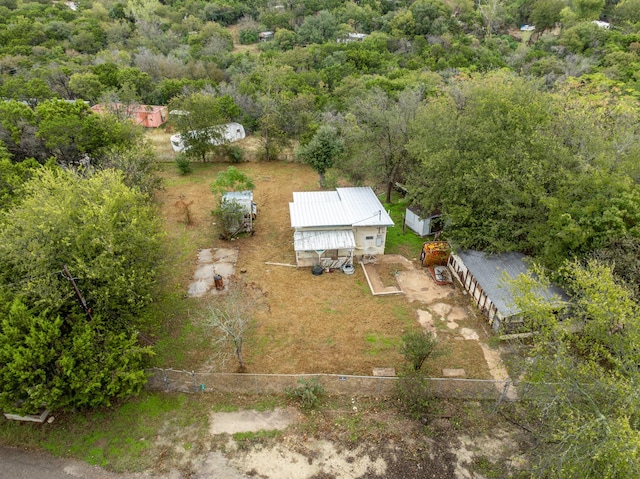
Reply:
x=106, y=233
x=516, y=168
x=583, y=377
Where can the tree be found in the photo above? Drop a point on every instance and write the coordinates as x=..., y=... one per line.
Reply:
x=378, y=131
x=546, y=13
x=492, y=12
x=232, y=219
x=106, y=233
x=484, y=161
x=432, y=17
x=588, y=9
x=627, y=11
x=138, y=165
x=30, y=91
x=64, y=362
x=86, y=85
x=322, y=151
x=231, y=316
x=318, y=28
x=201, y=123
x=12, y=177
x=72, y=132
x=18, y=129
x=623, y=255
x=417, y=347
x=231, y=179
x=581, y=376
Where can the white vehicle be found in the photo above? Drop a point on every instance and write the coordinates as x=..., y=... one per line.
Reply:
x=230, y=132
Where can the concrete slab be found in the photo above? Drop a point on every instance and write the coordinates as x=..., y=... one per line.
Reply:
x=250, y=421
x=453, y=373
x=225, y=255
x=441, y=309
x=203, y=272
x=205, y=256
x=469, y=334
x=220, y=261
x=425, y=318
x=384, y=372
x=199, y=288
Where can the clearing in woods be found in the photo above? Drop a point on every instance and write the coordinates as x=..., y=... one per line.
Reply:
x=307, y=324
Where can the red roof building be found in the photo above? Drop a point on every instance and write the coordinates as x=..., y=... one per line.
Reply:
x=149, y=116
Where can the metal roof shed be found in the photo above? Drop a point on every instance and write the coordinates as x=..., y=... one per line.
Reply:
x=484, y=275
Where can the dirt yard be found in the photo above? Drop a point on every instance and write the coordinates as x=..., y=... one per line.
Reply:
x=307, y=324
x=330, y=324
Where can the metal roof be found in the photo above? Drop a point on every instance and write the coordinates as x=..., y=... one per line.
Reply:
x=323, y=240
x=356, y=206
x=246, y=195
x=490, y=271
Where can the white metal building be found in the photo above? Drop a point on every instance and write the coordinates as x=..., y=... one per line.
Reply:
x=230, y=132
x=422, y=224
x=333, y=227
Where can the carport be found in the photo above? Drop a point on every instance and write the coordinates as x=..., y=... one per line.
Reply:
x=333, y=247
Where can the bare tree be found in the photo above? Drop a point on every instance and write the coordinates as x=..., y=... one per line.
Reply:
x=231, y=314
x=492, y=12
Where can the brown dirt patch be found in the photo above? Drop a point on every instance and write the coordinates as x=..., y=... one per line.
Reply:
x=388, y=272
x=160, y=140
x=309, y=324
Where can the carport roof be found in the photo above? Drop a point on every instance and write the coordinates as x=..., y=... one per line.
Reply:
x=491, y=271
x=323, y=240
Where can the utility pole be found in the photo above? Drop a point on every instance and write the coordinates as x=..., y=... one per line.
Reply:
x=81, y=300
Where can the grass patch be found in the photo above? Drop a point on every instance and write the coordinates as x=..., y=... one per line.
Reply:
x=377, y=343
x=256, y=436
x=120, y=439
x=406, y=243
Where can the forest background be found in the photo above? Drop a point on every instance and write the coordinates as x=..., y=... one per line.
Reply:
x=524, y=139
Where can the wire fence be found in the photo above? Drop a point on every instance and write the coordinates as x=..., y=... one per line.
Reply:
x=333, y=384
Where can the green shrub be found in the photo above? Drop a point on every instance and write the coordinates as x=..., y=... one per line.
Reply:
x=235, y=154
x=308, y=392
x=248, y=36
x=184, y=166
x=414, y=396
x=417, y=346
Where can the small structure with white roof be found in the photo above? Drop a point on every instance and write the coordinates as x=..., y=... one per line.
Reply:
x=245, y=200
x=333, y=227
x=220, y=134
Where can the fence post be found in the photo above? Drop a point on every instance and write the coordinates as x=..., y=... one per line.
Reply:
x=505, y=390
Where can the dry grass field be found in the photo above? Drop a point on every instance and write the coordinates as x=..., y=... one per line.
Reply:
x=306, y=324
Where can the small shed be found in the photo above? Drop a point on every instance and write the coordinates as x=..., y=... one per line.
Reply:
x=423, y=224
x=244, y=199
x=352, y=37
x=333, y=227
x=486, y=278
